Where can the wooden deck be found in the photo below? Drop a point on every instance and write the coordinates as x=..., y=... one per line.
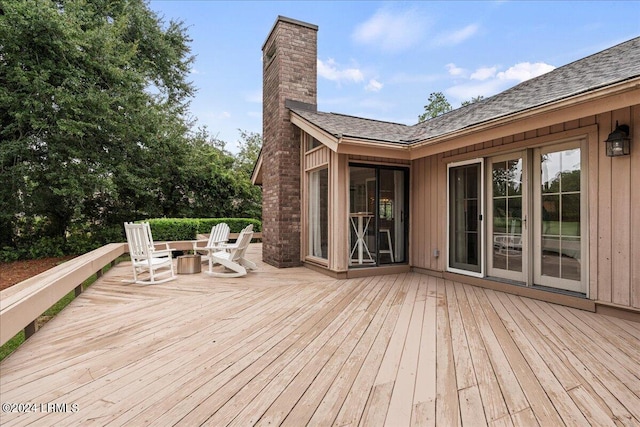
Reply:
x=294, y=347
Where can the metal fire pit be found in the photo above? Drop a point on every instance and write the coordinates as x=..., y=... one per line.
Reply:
x=189, y=264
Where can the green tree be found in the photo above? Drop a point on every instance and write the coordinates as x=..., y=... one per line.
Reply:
x=250, y=203
x=437, y=105
x=472, y=100
x=92, y=102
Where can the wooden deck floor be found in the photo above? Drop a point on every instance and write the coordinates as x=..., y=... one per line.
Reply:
x=294, y=347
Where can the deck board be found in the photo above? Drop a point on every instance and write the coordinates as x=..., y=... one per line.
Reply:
x=294, y=347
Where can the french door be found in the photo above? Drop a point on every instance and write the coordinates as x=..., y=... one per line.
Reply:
x=560, y=212
x=507, y=249
x=536, y=217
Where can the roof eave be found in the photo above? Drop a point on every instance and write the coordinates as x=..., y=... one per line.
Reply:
x=346, y=144
x=376, y=148
x=318, y=133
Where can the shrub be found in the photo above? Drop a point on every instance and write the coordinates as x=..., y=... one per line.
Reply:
x=171, y=229
x=235, y=224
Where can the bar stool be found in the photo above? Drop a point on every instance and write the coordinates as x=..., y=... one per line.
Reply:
x=390, y=250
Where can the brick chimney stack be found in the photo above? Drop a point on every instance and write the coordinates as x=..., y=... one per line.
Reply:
x=289, y=58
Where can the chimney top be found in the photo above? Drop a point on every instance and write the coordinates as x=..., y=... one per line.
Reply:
x=281, y=18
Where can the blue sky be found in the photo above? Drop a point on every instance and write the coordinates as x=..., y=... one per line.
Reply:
x=381, y=60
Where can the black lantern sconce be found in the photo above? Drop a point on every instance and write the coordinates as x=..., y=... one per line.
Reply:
x=618, y=142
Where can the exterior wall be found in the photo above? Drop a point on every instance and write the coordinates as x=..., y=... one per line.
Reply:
x=289, y=73
x=613, y=199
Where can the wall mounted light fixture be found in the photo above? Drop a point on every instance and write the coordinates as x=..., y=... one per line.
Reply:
x=618, y=143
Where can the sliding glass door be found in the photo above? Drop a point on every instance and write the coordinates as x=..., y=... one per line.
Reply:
x=465, y=217
x=378, y=209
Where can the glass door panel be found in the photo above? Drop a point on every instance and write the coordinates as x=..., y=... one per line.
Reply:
x=318, y=213
x=507, y=241
x=465, y=209
x=559, y=243
x=362, y=208
x=391, y=216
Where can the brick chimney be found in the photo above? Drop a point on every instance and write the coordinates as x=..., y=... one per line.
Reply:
x=289, y=58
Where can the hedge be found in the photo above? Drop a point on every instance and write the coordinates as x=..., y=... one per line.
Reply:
x=173, y=229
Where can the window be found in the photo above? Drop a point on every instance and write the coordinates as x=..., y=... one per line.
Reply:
x=312, y=143
x=318, y=213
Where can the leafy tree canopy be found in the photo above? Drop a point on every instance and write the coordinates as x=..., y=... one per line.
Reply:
x=437, y=105
x=94, y=98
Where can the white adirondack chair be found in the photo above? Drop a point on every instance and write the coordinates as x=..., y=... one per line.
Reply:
x=219, y=237
x=232, y=257
x=145, y=258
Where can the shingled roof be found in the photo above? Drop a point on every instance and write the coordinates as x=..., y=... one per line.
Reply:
x=605, y=68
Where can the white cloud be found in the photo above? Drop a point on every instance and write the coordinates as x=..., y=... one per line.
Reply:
x=456, y=37
x=374, y=86
x=484, y=73
x=331, y=71
x=391, y=30
x=454, y=70
x=525, y=71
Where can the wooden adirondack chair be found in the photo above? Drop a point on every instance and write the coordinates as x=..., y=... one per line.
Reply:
x=232, y=257
x=217, y=239
x=145, y=258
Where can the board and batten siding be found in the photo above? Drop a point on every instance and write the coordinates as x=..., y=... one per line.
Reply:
x=613, y=197
x=317, y=157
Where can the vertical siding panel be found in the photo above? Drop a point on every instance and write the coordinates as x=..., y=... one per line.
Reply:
x=635, y=206
x=339, y=217
x=418, y=235
x=416, y=220
x=426, y=211
x=604, y=212
x=434, y=165
x=421, y=184
x=594, y=188
x=620, y=220
x=441, y=210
